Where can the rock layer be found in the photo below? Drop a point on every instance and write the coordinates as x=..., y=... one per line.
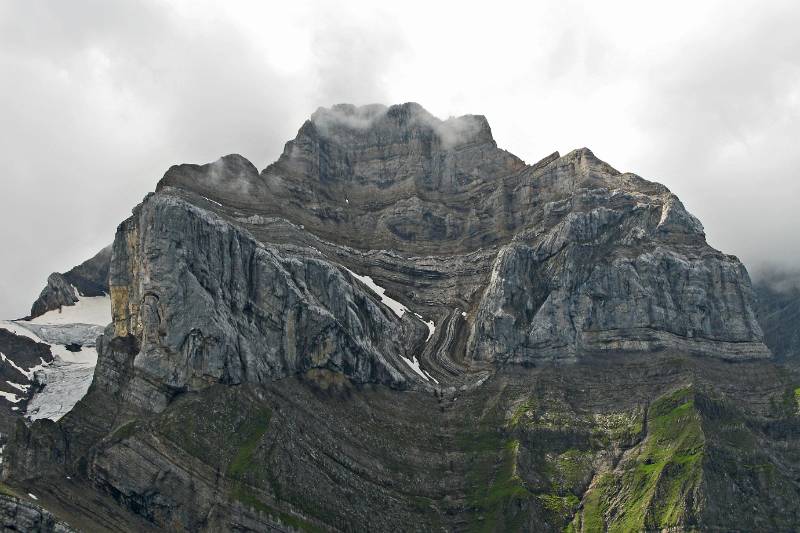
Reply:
x=208, y=303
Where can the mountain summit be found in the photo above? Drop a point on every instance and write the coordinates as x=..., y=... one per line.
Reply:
x=398, y=325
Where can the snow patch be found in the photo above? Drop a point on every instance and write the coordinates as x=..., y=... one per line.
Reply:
x=27, y=373
x=13, y=398
x=212, y=201
x=398, y=308
x=414, y=364
x=433, y=378
x=19, y=387
x=69, y=376
x=17, y=329
x=66, y=384
x=87, y=310
x=429, y=323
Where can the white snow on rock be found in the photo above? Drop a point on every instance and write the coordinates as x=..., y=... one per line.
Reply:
x=17, y=329
x=429, y=375
x=27, y=373
x=212, y=201
x=87, y=310
x=429, y=323
x=67, y=383
x=13, y=398
x=398, y=308
x=414, y=364
x=70, y=374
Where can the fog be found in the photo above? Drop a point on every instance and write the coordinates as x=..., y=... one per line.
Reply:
x=98, y=99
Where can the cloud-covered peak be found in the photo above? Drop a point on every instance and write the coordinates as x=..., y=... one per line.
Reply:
x=346, y=122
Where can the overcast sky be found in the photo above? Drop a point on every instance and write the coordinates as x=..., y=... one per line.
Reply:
x=99, y=98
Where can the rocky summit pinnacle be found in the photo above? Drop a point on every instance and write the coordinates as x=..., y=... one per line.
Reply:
x=398, y=325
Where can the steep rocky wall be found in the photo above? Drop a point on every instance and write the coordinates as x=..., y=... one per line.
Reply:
x=542, y=304
x=19, y=515
x=207, y=303
x=577, y=257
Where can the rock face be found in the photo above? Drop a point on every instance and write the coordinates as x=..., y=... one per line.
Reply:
x=361, y=337
x=226, y=308
x=20, y=358
x=56, y=293
x=778, y=307
x=576, y=257
x=90, y=278
x=19, y=515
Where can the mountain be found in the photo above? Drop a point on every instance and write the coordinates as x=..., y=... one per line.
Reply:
x=778, y=308
x=89, y=279
x=399, y=325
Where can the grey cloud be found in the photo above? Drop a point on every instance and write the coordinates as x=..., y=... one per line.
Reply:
x=101, y=99
x=451, y=132
x=722, y=117
x=98, y=99
x=347, y=116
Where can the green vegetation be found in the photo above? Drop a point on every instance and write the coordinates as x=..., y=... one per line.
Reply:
x=522, y=410
x=5, y=490
x=226, y=427
x=495, y=484
x=797, y=399
x=570, y=469
x=655, y=484
x=562, y=447
x=496, y=495
x=241, y=493
x=251, y=434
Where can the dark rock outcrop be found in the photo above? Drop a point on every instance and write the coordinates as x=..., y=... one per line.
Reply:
x=20, y=515
x=90, y=278
x=19, y=356
x=56, y=293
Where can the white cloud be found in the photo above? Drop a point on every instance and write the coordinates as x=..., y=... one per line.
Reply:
x=100, y=98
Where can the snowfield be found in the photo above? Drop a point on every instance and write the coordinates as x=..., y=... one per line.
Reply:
x=68, y=377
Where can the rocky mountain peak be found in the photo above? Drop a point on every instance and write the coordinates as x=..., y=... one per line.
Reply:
x=346, y=124
x=397, y=302
x=232, y=172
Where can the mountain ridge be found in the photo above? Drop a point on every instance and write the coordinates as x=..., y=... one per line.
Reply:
x=390, y=327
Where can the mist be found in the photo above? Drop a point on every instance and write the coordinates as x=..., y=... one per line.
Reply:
x=98, y=100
